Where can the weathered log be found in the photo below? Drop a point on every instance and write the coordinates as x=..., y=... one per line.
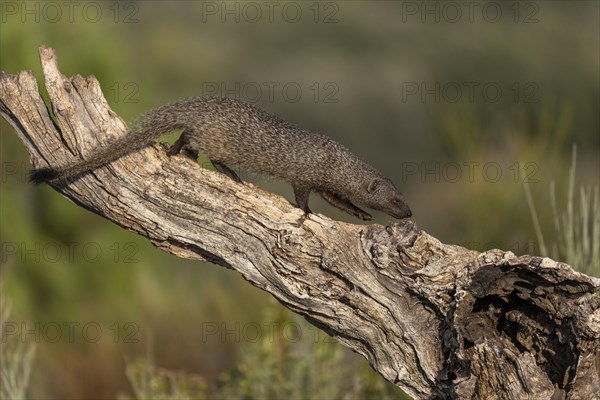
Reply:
x=439, y=321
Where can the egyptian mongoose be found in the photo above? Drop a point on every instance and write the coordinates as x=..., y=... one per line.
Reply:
x=232, y=133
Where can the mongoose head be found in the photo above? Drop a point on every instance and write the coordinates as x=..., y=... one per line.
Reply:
x=382, y=195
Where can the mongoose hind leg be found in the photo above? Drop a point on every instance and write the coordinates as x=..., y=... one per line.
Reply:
x=176, y=148
x=345, y=205
x=190, y=152
x=183, y=144
x=219, y=166
x=302, y=194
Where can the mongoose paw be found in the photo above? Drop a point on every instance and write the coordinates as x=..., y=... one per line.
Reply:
x=175, y=147
x=306, y=210
x=237, y=179
x=224, y=169
x=302, y=218
x=364, y=216
x=172, y=151
x=191, y=154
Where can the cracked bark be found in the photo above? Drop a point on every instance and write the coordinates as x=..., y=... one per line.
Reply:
x=438, y=320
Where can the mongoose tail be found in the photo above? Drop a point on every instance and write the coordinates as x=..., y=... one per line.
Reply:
x=131, y=142
x=41, y=175
x=149, y=130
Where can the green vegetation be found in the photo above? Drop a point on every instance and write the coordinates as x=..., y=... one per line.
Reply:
x=16, y=357
x=577, y=225
x=310, y=366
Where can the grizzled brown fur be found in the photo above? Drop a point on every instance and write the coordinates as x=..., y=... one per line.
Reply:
x=233, y=133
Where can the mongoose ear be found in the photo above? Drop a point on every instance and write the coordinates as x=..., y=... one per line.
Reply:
x=373, y=184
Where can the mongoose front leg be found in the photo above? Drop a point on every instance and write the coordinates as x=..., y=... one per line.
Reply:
x=302, y=193
x=345, y=205
x=219, y=166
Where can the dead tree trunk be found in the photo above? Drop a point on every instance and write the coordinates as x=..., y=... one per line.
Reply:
x=439, y=321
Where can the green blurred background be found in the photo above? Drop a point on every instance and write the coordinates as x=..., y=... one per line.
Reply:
x=451, y=102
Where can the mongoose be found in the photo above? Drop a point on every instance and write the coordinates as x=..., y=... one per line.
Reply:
x=233, y=133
